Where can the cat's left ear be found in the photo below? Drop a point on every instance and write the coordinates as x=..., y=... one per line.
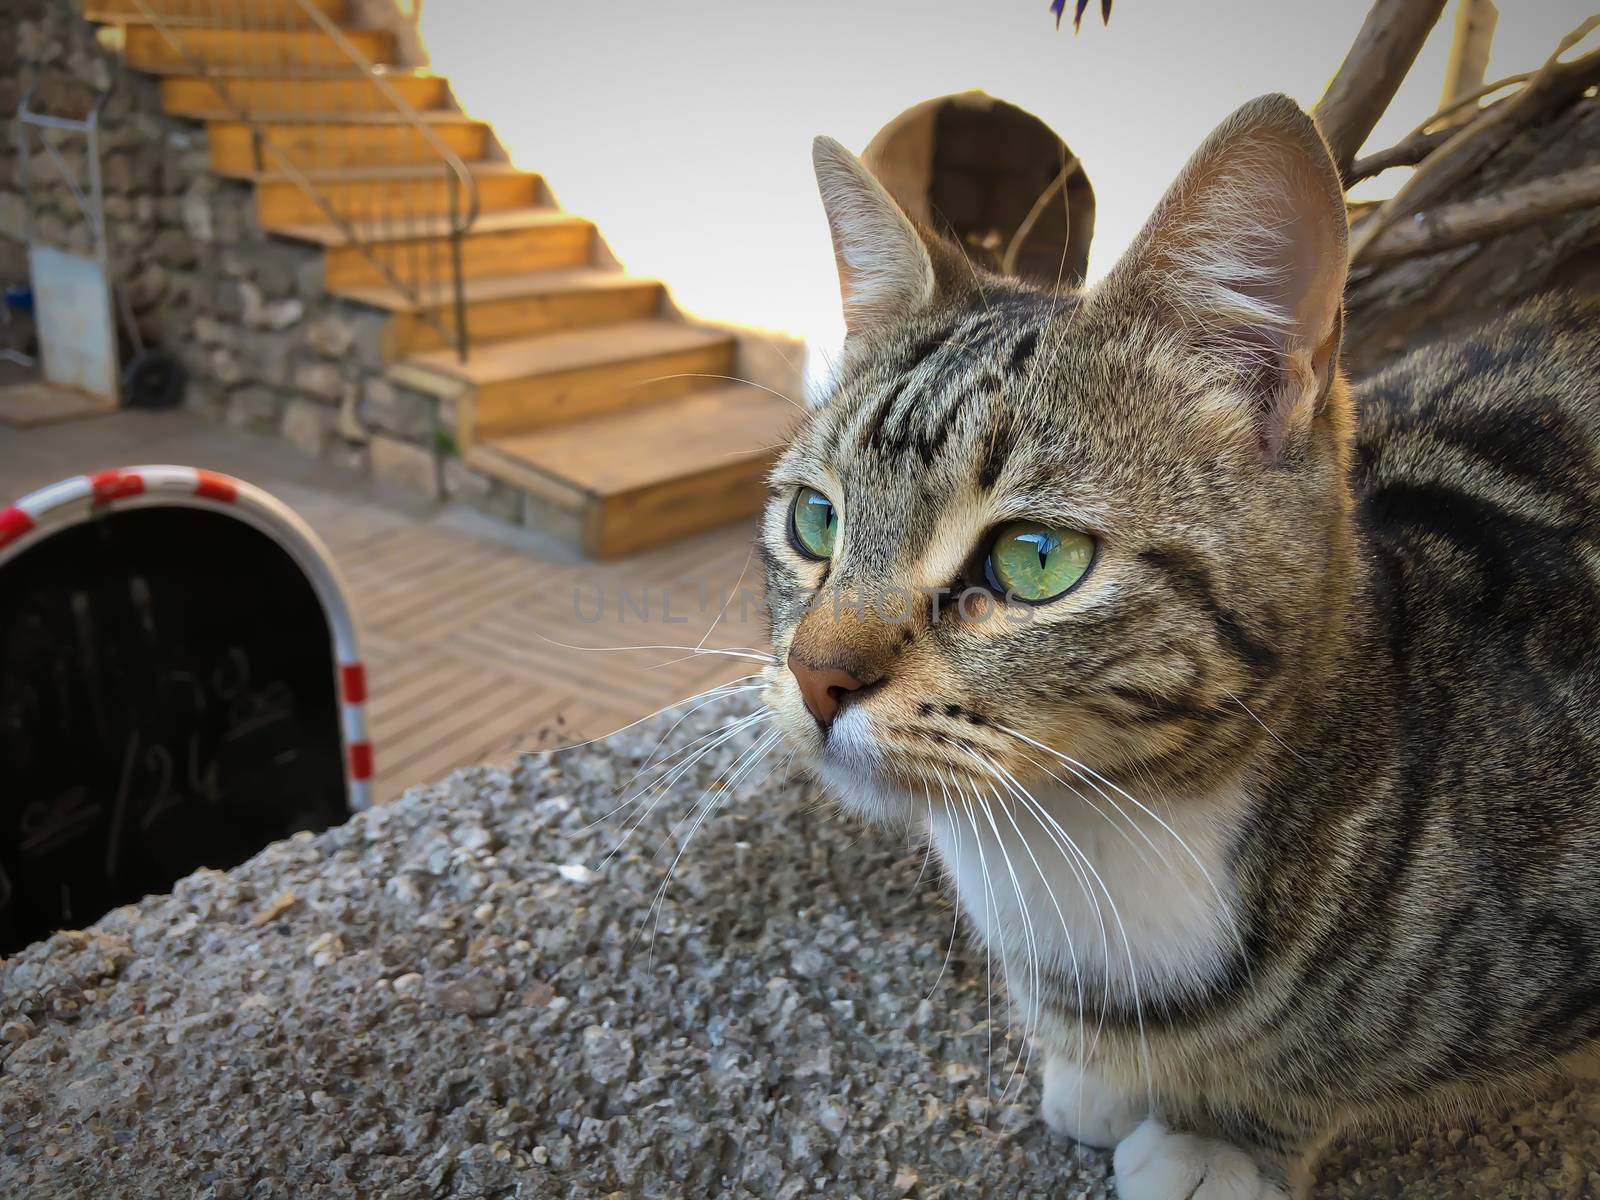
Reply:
x=885, y=271
x=1247, y=254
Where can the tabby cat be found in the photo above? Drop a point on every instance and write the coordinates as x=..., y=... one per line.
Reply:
x=1255, y=719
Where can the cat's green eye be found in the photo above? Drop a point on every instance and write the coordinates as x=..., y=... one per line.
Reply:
x=1033, y=562
x=813, y=523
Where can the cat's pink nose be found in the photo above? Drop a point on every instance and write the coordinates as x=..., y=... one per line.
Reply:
x=824, y=689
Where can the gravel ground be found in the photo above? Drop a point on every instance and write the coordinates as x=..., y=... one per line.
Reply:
x=452, y=996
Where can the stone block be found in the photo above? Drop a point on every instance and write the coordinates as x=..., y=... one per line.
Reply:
x=308, y=283
x=13, y=215
x=349, y=423
x=448, y=414
x=404, y=464
x=272, y=268
x=146, y=286
x=172, y=248
x=374, y=349
x=232, y=215
x=261, y=313
x=224, y=368
x=201, y=397
x=330, y=335
x=308, y=426
x=479, y=491
x=117, y=173
x=320, y=379
x=196, y=212
x=256, y=408
x=563, y=524
x=270, y=359
x=348, y=456
x=398, y=410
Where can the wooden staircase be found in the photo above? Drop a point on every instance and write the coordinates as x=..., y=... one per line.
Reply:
x=582, y=388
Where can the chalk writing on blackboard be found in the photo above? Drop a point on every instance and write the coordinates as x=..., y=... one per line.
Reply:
x=166, y=702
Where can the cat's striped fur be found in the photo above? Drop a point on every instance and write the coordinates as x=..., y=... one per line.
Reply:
x=1321, y=725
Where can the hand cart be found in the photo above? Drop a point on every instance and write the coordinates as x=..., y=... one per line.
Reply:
x=75, y=300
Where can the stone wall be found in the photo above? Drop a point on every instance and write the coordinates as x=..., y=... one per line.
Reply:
x=266, y=348
x=147, y=164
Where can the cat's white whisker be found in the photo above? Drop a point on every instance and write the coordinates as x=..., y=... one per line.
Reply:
x=729, y=379
x=1090, y=775
x=1120, y=811
x=702, y=811
x=1116, y=915
x=927, y=852
x=1030, y=1013
x=749, y=652
x=955, y=920
x=1044, y=880
x=735, y=687
x=665, y=769
x=662, y=787
x=712, y=692
x=1069, y=852
x=697, y=652
x=1272, y=733
x=727, y=599
x=988, y=942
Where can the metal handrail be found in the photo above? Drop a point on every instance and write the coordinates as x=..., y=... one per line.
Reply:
x=401, y=105
x=422, y=284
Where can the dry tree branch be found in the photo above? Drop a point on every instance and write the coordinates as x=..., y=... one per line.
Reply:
x=1472, y=97
x=1390, y=38
x=1425, y=139
x=1469, y=48
x=1008, y=264
x=1551, y=87
x=1487, y=216
x=1407, y=153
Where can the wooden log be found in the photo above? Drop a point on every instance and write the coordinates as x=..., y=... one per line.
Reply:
x=1371, y=73
x=1551, y=88
x=1399, y=303
x=1488, y=216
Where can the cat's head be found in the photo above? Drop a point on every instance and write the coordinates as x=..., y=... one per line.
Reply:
x=1111, y=526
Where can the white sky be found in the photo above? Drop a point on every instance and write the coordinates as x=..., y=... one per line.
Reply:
x=683, y=128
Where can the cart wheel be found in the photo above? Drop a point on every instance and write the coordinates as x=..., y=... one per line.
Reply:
x=154, y=379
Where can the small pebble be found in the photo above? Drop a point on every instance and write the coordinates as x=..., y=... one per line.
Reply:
x=477, y=996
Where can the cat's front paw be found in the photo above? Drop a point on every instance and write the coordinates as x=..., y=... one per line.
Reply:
x=1078, y=1103
x=1154, y=1163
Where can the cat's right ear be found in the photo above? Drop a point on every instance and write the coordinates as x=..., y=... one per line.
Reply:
x=885, y=272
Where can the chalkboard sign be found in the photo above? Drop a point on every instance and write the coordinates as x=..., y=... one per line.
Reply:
x=167, y=702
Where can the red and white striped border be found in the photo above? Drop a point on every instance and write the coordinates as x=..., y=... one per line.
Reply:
x=80, y=498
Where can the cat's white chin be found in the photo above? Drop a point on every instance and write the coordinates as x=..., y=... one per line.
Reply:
x=850, y=765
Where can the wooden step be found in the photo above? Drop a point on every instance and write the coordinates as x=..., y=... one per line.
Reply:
x=255, y=12
x=146, y=47
x=515, y=241
x=644, y=476
x=530, y=383
x=511, y=306
x=274, y=95
x=387, y=201
x=382, y=139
